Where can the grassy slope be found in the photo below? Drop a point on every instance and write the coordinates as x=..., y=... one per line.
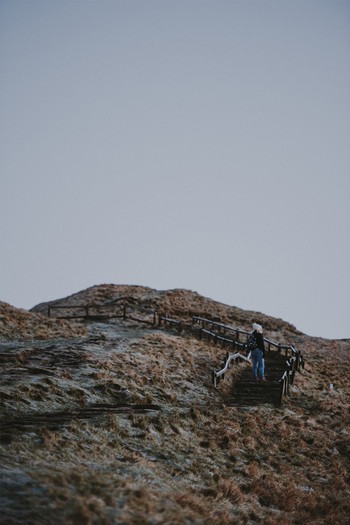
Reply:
x=195, y=461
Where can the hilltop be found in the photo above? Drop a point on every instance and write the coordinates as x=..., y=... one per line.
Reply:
x=170, y=451
x=179, y=303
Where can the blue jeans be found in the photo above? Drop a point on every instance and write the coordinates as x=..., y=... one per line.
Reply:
x=258, y=365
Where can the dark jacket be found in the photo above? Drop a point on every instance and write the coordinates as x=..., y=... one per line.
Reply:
x=260, y=341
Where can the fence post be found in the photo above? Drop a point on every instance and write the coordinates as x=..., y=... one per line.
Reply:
x=124, y=311
x=281, y=391
x=292, y=377
x=49, y=311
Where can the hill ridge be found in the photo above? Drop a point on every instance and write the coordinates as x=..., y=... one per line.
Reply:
x=179, y=300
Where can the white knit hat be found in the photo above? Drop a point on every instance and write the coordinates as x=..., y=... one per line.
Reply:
x=257, y=327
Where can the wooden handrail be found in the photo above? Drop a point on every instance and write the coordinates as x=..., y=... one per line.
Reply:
x=219, y=338
x=226, y=365
x=225, y=327
x=204, y=321
x=237, y=331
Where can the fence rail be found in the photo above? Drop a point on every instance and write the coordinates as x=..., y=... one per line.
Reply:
x=87, y=311
x=99, y=311
x=167, y=321
x=239, y=334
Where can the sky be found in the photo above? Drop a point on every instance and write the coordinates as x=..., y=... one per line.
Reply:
x=197, y=144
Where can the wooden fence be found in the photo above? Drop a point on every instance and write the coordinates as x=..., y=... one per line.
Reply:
x=99, y=312
x=240, y=338
x=87, y=311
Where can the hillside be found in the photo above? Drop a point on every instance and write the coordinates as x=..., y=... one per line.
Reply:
x=118, y=422
x=16, y=323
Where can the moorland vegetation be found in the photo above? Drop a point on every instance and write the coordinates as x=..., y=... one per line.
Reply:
x=118, y=422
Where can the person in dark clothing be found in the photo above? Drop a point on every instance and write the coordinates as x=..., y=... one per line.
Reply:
x=258, y=353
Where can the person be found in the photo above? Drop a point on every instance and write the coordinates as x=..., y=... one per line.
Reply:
x=258, y=353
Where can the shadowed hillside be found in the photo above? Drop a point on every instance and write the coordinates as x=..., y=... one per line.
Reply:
x=118, y=422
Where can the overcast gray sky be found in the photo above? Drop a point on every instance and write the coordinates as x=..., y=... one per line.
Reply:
x=179, y=144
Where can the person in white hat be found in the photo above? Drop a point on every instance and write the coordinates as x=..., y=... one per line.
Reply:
x=258, y=353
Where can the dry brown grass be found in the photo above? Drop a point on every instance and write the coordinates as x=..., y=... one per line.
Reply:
x=194, y=461
x=19, y=324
